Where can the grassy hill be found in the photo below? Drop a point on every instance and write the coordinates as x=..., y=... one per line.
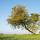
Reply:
x=19, y=37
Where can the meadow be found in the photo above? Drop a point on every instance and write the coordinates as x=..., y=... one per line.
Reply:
x=19, y=36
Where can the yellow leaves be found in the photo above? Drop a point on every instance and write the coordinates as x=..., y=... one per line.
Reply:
x=17, y=10
x=18, y=15
x=18, y=18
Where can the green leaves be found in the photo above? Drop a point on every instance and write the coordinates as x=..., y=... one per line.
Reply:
x=34, y=17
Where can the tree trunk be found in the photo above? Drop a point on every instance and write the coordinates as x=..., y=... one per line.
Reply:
x=29, y=30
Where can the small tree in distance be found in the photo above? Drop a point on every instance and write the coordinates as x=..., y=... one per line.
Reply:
x=19, y=16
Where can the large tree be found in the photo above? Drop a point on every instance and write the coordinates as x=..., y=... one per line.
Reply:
x=19, y=16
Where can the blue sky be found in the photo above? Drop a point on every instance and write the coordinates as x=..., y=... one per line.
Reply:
x=5, y=10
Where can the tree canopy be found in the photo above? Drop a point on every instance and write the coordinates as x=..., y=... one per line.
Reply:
x=34, y=17
x=20, y=16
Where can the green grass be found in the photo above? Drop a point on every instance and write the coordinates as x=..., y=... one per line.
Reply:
x=20, y=37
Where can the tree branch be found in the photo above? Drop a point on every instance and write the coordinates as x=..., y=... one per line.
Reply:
x=28, y=30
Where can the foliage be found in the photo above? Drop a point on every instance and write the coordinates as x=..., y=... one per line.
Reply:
x=20, y=16
x=34, y=17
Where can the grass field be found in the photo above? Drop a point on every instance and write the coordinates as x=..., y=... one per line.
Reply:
x=19, y=36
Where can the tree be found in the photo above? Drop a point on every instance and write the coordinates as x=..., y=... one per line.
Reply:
x=20, y=16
